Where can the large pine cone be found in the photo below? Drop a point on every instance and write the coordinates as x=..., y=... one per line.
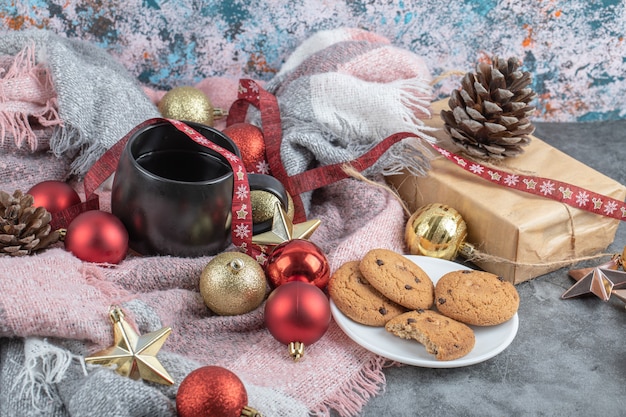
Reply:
x=24, y=229
x=489, y=114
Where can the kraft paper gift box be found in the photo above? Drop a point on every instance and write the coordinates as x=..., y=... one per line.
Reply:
x=522, y=235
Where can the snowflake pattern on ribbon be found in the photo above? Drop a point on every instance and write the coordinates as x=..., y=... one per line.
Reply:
x=241, y=228
x=262, y=167
x=569, y=194
x=249, y=90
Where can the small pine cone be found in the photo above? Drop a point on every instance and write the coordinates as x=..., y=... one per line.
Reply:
x=24, y=229
x=489, y=114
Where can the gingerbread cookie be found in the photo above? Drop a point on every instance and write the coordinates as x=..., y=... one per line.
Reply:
x=398, y=279
x=476, y=297
x=357, y=299
x=442, y=336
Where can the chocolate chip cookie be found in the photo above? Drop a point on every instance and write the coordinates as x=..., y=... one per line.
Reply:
x=476, y=297
x=442, y=336
x=357, y=299
x=398, y=278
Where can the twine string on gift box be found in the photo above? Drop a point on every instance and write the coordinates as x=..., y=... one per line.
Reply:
x=478, y=256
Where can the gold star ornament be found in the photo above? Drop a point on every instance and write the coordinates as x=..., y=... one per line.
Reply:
x=134, y=355
x=283, y=229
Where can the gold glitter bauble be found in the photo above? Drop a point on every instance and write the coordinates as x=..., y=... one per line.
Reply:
x=438, y=231
x=233, y=283
x=263, y=205
x=187, y=104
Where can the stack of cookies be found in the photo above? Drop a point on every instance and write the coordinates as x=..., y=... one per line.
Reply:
x=387, y=289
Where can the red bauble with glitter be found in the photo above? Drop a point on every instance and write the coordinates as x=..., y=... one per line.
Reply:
x=97, y=236
x=297, y=260
x=54, y=196
x=211, y=391
x=297, y=312
x=251, y=142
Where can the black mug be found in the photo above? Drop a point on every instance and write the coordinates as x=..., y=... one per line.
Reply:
x=174, y=195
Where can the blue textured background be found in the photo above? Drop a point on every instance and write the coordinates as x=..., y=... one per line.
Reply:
x=574, y=48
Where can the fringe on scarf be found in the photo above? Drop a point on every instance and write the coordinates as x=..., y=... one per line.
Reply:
x=27, y=97
x=72, y=141
x=415, y=94
x=44, y=366
x=412, y=105
x=349, y=399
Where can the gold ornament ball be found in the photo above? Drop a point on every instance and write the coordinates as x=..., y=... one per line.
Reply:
x=263, y=205
x=187, y=104
x=232, y=283
x=438, y=231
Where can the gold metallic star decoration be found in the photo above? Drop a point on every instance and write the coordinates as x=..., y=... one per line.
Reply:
x=133, y=354
x=602, y=281
x=283, y=229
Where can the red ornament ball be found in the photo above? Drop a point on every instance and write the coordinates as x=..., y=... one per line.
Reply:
x=97, y=236
x=297, y=260
x=297, y=312
x=54, y=196
x=211, y=391
x=251, y=142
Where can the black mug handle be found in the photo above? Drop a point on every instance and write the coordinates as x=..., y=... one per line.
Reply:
x=262, y=182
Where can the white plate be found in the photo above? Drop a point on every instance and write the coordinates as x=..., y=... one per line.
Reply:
x=490, y=340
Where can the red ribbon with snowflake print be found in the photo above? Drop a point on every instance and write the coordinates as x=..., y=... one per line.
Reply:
x=563, y=192
x=250, y=93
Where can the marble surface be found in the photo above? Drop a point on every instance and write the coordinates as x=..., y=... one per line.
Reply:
x=567, y=358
